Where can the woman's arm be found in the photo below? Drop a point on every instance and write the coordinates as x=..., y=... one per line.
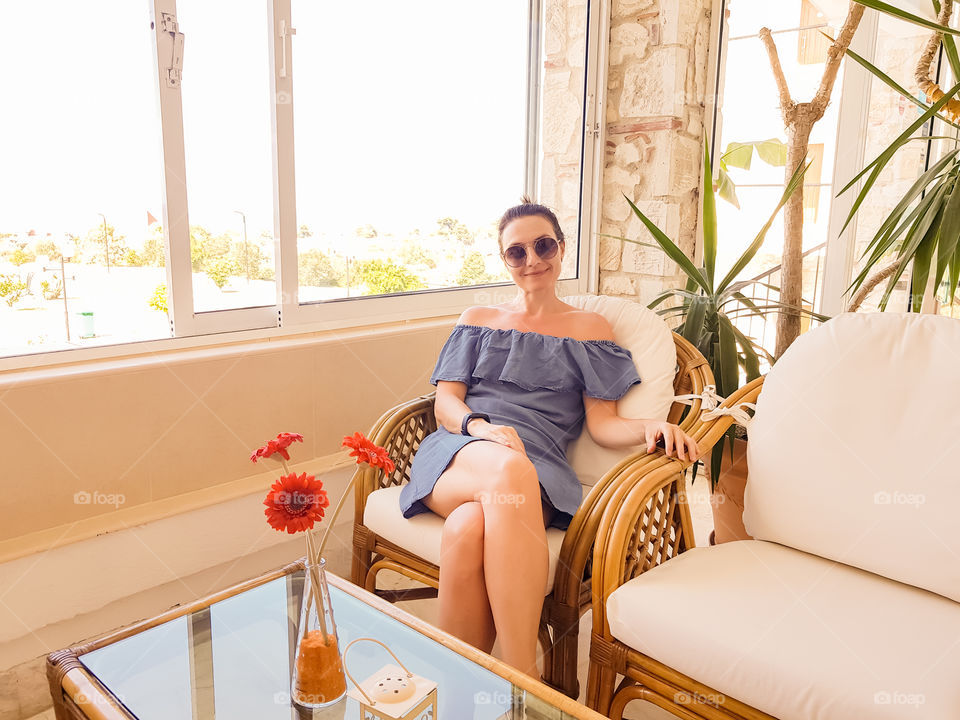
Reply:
x=450, y=409
x=610, y=430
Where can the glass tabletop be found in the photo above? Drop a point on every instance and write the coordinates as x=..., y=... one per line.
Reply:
x=233, y=660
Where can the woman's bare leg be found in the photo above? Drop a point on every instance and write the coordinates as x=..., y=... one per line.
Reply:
x=515, y=561
x=464, y=606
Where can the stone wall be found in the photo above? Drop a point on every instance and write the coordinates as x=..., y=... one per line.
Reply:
x=656, y=88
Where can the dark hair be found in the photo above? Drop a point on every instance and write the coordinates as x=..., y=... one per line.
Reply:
x=528, y=208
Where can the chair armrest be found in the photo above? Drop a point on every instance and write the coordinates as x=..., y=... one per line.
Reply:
x=400, y=430
x=708, y=432
x=643, y=525
x=578, y=542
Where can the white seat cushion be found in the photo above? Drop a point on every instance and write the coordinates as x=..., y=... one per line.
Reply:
x=650, y=342
x=853, y=451
x=421, y=534
x=795, y=635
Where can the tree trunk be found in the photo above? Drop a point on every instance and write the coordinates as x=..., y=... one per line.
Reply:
x=798, y=120
x=791, y=272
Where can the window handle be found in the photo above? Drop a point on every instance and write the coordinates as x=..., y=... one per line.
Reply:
x=169, y=25
x=285, y=32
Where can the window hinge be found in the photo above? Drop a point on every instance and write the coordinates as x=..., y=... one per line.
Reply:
x=285, y=32
x=168, y=23
x=593, y=111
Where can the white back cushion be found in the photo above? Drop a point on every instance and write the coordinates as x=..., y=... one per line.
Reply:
x=853, y=451
x=642, y=332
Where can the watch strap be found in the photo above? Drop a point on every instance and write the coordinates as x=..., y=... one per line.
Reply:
x=471, y=416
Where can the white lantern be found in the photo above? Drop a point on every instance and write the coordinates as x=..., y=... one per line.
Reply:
x=393, y=692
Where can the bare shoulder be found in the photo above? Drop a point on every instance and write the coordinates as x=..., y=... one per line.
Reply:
x=585, y=325
x=477, y=315
x=600, y=328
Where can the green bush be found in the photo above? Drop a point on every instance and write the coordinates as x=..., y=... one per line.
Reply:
x=317, y=269
x=158, y=300
x=412, y=253
x=154, y=251
x=92, y=251
x=48, y=248
x=20, y=256
x=219, y=270
x=134, y=259
x=473, y=271
x=254, y=257
x=385, y=276
x=12, y=289
x=51, y=292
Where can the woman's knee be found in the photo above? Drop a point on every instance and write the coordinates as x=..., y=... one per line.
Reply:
x=463, y=533
x=514, y=478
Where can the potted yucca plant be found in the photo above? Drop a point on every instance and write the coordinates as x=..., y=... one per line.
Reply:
x=706, y=308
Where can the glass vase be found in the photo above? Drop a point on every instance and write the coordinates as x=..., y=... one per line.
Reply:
x=318, y=678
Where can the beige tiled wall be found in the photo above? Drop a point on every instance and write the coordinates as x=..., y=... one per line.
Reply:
x=183, y=422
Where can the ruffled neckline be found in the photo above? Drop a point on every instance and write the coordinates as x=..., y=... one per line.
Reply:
x=536, y=334
x=532, y=360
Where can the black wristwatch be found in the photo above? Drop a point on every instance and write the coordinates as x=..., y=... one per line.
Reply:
x=471, y=416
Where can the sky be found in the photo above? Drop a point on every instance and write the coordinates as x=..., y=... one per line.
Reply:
x=404, y=113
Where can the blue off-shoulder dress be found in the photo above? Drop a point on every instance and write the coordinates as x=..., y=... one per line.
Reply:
x=534, y=383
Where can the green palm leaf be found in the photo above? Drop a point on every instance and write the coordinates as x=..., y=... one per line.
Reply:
x=909, y=17
x=672, y=251
x=876, y=167
x=709, y=217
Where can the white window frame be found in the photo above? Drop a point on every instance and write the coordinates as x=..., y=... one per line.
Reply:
x=184, y=318
x=190, y=328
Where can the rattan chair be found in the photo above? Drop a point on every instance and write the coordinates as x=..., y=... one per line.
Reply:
x=401, y=429
x=647, y=523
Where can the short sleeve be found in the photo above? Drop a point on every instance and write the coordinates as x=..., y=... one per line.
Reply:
x=458, y=358
x=607, y=369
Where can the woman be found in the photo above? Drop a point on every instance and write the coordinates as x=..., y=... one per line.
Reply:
x=515, y=383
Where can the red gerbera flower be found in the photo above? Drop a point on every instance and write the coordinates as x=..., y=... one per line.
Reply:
x=295, y=503
x=361, y=448
x=382, y=460
x=280, y=445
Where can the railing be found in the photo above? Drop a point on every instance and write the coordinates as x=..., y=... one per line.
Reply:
x=764, y=289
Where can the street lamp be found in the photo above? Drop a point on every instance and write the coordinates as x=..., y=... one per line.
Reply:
x=106, y=243
x=246, y=256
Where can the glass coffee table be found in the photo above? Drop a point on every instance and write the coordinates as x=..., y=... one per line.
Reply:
x=230, y=655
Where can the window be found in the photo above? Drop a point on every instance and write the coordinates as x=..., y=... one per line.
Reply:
x=750, y=113
x=81, y=254
x=863, y=117
x=260, y=163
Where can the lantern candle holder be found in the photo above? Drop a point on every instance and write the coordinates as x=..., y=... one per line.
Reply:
x=393, y=692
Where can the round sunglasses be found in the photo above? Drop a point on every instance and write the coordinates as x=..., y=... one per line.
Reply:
x=516, y=255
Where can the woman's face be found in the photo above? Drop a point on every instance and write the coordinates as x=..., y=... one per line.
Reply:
x=534, y=272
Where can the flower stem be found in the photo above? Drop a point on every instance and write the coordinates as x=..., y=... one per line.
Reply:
x=312, y=560
x=286, y=470
x=336, y=511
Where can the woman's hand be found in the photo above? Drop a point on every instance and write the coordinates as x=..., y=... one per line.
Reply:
x=676, y=443
x=502, y=434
